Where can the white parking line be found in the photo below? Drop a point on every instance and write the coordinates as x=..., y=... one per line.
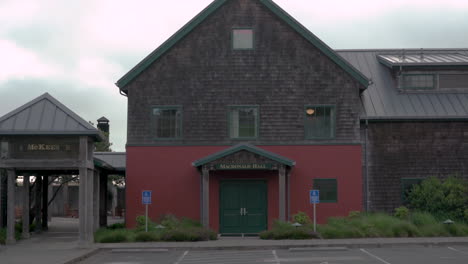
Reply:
x=182, y=257
x=456, y=250
x=276, y=257
x=374, y=256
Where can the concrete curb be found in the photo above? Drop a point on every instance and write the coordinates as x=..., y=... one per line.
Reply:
x=84, y=256
x=318, y=246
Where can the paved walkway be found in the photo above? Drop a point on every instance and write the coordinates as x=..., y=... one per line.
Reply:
x=60, y=244
x=56, y=246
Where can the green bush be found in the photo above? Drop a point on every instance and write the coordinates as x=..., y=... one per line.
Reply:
x=422, y=219
x=443, y=199
x=354, y=214
x=141, y=223
x=189, y=234
x=2, y=236
x=402, y=212
x=302, y=218
x=466, y=216
x=457, y=229
x=105, y=235
x=116, y=226
x=174, y=230
x=284, y=230
x=148, y=236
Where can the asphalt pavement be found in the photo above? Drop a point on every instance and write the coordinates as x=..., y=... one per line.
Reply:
x=392, y=255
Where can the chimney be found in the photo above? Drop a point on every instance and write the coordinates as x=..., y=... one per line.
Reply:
x=103, y=124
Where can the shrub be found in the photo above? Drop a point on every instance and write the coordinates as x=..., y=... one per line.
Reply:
x=354, y=214
x=104, y=235
x=147, y=236
x=402, y=212
x=141, y=223
x=422, y=219
x=117, y=226
x=189, y=234
x=2, y=235
x=466, y=216
x=447, y=199
x=302, y=218
x=284, y=230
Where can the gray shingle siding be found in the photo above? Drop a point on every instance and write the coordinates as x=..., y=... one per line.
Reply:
x=281, y=75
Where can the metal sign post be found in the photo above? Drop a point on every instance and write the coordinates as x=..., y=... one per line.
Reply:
x=146, y=200
x=314, y=199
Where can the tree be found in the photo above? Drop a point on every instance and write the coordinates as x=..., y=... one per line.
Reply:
x=444, y=199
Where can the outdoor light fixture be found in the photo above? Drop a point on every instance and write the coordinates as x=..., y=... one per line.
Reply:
x=310, y=111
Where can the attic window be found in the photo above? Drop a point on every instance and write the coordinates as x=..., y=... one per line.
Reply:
x=242, y=38
x=417, y=81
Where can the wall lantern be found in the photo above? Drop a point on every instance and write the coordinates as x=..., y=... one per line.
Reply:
x=310, y=111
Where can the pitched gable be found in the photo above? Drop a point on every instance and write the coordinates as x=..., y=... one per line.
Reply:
x=45, y=115
x=212, y=8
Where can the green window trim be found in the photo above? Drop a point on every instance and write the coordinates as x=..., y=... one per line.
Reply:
x=406, y=185
x=412, y=88
x=233, y=38
x=231, y=121
x=328, y=190
x=322, y=129
x=176, y=123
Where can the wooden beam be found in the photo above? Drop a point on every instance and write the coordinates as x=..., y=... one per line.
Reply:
x=58, y=164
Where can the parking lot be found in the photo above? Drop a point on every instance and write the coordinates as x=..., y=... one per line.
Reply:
x=391, y=255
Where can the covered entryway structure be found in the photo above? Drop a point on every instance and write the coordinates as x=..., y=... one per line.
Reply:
x=44, y=138
x=243, y=188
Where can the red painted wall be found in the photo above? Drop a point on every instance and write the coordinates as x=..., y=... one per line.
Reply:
x=175, y=183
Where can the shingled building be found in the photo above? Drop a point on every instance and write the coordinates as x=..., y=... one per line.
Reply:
x=242, y=111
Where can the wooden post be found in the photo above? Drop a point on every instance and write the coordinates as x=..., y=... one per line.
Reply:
x=10, y=237
x=282, y=192
x=86, y=194
x=38, y=203
x=205, y=197
x=26, y=234
x=45, y=201
x=103, y=200
x=96, y=202
x=3, y=198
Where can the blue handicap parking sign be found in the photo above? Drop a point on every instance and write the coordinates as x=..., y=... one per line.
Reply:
x=146, y=197
x=314, y=196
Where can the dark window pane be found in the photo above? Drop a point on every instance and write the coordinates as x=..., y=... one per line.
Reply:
x=242, y=39
x=319, y=122
x=243, y=122
x=418, y=81
x=167, y=122
x=327, y=188
x=406, y=187
x=451, y=81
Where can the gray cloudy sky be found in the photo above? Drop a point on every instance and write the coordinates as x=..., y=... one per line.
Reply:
x=77, y=50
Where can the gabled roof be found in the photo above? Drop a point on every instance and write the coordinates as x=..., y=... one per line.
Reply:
x=45, y=116
x=383, y=101
x=274, y=8
x=116, y=160
x=246, y=147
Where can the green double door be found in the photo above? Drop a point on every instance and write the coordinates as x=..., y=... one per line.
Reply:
x=243, y=207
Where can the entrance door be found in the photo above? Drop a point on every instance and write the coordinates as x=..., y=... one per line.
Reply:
x=243, y=207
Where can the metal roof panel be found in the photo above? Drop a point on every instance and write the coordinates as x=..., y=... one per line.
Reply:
x=45, y=115
x=382, y=99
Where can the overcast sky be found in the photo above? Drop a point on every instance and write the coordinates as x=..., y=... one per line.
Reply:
x=77, y=50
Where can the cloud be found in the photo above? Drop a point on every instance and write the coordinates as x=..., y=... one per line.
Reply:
x=20, y=63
